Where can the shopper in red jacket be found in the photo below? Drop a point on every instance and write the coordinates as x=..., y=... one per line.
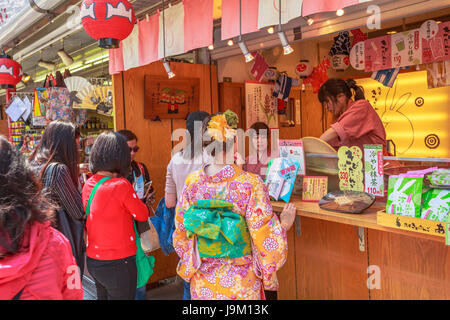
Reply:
x=111, y=239
x=36, y=261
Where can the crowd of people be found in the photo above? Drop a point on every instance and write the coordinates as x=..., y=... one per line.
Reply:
x=51, y=227
x=229, y=241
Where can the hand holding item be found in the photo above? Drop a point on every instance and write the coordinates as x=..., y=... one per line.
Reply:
x=287, y=216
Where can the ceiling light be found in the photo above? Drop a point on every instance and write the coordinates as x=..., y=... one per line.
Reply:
x=230, y=42
x=211, y=47
x=169, y=71
x=340, y=12
x=310, y=21
x=391, y=32
x=248, y=56
x=26, y=77
x=271, y=30
x=287, y=49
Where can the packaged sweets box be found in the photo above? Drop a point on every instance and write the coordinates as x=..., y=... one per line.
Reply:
x=413, y=196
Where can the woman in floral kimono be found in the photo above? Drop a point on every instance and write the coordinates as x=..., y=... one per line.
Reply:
x=229, y=241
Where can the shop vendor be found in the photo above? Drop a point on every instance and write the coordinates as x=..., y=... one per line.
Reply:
x=357, y=121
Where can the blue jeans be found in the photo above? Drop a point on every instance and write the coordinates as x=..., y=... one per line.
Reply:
x=187, y=291
x=140, y=293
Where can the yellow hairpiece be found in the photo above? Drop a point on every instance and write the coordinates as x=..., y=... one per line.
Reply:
x=219, y=129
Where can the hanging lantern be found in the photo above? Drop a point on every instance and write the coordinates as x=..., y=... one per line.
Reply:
x=340, y=62
x=304, y=69
x=108, y=21
x=10, y=72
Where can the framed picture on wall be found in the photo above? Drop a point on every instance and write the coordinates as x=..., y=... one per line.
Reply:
x=170, y=99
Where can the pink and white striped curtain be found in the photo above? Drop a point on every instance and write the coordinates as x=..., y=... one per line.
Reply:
x=189, y=26
x=198, y=24
x=148, y=40
x=230, y=17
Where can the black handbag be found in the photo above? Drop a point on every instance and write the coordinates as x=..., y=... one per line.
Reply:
x=73, y=229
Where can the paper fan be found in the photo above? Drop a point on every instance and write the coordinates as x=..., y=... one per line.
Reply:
x=76, y=83
x=83, y=93
x=99, y=99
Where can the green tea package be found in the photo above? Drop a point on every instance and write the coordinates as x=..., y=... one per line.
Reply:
x=439, y=178
x=436, y=205
x=405, y=195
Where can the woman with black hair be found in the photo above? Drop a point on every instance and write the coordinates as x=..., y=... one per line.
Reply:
x=183, y=163
x=56, y=163
x=36, y=261
x=357, y=122
x=111, y=205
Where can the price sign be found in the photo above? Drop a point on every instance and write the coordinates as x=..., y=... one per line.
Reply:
x=314, y=188
x=373, y=170
x=350, y=168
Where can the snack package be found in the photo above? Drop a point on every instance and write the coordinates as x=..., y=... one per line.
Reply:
x=439, y=178
x=280, y=177
x=436, y=205
x=405, y=195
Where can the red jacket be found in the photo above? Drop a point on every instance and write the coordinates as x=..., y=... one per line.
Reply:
x=44, y=268
x=110, y=229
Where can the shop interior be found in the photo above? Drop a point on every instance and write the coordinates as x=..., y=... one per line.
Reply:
x=330, y=255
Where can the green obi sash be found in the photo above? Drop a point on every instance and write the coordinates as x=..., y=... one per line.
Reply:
x=221, y=233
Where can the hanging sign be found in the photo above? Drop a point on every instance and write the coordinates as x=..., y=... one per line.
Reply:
x=377, y=53
x=260, y=105
x=429, y=29
x=314, y=188
x=373, y=170
x=293, y=149
x=357, y=58
x=406, y=48
x=350, y=168
x=437, y=48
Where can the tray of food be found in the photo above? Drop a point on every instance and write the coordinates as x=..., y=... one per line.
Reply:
x=347, y=201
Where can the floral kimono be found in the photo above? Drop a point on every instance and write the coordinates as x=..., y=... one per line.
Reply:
x=243, y=277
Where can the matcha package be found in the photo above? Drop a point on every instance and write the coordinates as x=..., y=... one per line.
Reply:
x=405, y=195
x=439, y=178
x=436, y=205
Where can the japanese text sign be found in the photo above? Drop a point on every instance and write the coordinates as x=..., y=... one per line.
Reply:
x=373, y=170
x=350, y=168
x=314, y=188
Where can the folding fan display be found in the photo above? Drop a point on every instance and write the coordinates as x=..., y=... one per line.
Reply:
x=99, y=99
x=75, y=85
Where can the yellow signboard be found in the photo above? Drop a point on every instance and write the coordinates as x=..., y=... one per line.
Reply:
x=416, y=118
x=434, y=228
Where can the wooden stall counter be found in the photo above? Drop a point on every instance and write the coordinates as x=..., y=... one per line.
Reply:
x=350, y=256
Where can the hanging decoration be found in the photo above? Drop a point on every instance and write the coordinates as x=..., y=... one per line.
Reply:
x=340, y=51
x=271, y=74
x=10, y=72
x=259, y=67
x=319, y=75
x=108, y=21
x=358, y=36
x=304, y=69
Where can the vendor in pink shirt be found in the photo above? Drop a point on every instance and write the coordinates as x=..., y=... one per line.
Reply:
x=357, y=122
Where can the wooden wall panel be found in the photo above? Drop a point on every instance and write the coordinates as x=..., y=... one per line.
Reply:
x=411, y=268
x=328, y=262
x=154, y=137
x=286, y=275
x=312, y=114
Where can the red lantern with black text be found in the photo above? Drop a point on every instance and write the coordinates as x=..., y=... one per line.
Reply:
x=10, y=72
x=108, y=21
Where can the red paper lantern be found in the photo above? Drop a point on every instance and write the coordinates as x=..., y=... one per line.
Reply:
x=108, y=21
x=304, y=69
x=10, y=72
